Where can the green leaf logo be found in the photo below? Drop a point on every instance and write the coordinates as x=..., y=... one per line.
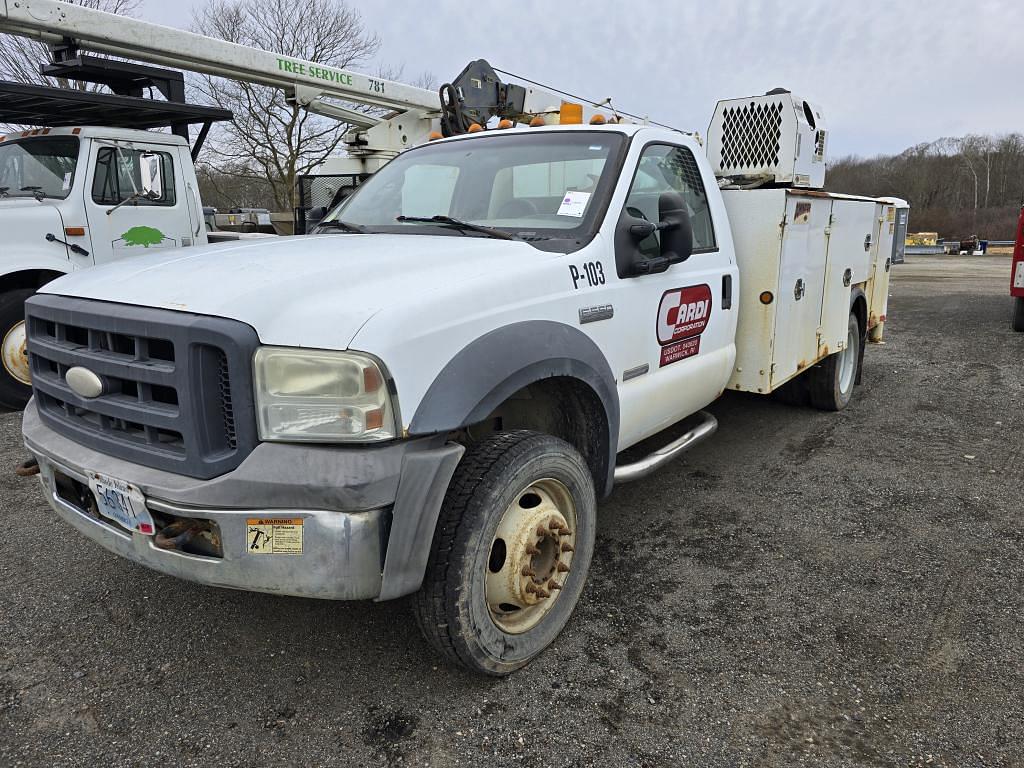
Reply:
x=144, y=236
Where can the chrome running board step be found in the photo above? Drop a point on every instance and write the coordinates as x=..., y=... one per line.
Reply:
x=627, y=473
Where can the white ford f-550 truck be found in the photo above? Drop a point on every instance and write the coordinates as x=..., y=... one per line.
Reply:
x=430, y=397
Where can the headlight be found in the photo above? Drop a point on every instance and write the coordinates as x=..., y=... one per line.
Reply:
x=321, y=396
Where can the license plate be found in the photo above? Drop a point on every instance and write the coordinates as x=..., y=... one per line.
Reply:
x=121, y=502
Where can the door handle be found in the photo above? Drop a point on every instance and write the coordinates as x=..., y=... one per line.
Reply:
x=799, y=289
x=726, y=291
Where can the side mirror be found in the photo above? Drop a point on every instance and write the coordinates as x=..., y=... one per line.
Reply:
x=676, y=230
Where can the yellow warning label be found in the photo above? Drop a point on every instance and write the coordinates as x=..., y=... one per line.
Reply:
x=274, y=535
x=891, y=214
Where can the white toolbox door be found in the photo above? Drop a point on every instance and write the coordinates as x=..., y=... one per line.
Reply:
x=801, y=286
x=851, y=248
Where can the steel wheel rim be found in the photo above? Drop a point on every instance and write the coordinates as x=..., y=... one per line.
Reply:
x=530, y=556
x=847, y=363
x=15, y=353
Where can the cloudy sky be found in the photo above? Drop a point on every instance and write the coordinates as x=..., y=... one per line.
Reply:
x=887, y=74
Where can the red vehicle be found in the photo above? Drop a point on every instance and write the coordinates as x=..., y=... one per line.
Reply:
x=1017, y=277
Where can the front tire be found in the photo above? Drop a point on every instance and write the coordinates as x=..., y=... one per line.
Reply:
x=1018, y=315
x=15, y=383
x=510, y=554
x=831, y=382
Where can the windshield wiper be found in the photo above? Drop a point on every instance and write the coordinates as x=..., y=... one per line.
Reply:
x=344, y=226
x=448, y=221
x=37, y=192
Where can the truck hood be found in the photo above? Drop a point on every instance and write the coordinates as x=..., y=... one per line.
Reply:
x=313, y=291
x=25, y=221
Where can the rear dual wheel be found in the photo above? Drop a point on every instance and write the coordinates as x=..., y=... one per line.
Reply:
x=15, y=383
x=510, y=553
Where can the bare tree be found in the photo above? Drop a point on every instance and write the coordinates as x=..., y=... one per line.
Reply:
x=269, y=139
x=21, y=57
x=956, y=186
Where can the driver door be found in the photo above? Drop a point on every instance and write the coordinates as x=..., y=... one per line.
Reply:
x=153, y=212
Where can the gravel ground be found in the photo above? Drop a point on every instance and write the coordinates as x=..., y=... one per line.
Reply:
x=805, y=589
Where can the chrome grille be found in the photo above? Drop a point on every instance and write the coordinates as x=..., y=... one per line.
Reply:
x=177, y=387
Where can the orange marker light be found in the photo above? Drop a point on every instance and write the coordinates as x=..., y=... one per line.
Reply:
x=570, y=114
x=374, y=419
x=475, y=128
x=597, y=120
x=372, y=380
x=435, y=135
x=537, y=121
x=74, y=231
x=76, y=131
x=505, y=124
x=767, y=297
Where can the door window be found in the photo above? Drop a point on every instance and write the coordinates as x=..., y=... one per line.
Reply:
x=140, y=176
x=663, y=168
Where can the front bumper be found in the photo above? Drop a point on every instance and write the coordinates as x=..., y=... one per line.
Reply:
x=368, y=513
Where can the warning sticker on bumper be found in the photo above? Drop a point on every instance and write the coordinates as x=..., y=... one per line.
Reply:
x=274, y=536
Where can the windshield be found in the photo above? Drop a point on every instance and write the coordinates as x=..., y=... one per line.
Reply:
x=536, y=186
x=42, y=165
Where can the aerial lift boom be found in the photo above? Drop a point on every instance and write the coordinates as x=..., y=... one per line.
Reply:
x=411, y=114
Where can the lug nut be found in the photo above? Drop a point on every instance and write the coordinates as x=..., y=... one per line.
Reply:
x=563, y=568
x=528, y=572
x=565, y=532
x=532, y=550
x=543, y=594
x=541, y=531
x=554, y=585
x=567, y=547
x=530, y=587
x=554, y=525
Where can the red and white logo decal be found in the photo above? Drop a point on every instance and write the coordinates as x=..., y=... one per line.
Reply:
x=682, y=317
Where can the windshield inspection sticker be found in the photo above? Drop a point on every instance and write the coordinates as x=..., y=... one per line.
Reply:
x=273, y=535
x=574, y=204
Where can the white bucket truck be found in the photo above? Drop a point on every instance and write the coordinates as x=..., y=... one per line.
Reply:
x=432, y=395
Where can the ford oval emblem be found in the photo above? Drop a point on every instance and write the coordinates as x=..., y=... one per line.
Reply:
x=84, y=382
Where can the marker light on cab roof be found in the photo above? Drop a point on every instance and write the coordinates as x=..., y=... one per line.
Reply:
x=571, y=113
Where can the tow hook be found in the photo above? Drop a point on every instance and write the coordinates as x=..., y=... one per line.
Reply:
x=27, y=468
x=194, y=537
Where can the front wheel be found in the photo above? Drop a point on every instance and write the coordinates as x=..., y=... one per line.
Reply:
x=510, y=553
x=1018, y=314
x=830, y=383
x=15, y=384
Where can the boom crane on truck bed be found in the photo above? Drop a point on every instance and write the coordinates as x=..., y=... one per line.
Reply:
x=411, y=114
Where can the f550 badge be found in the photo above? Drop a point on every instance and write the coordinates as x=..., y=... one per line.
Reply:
x=683, y=315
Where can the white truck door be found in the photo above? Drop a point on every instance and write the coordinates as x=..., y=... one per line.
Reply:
x=136, y=203
x=852, y=234
x=675, y=343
